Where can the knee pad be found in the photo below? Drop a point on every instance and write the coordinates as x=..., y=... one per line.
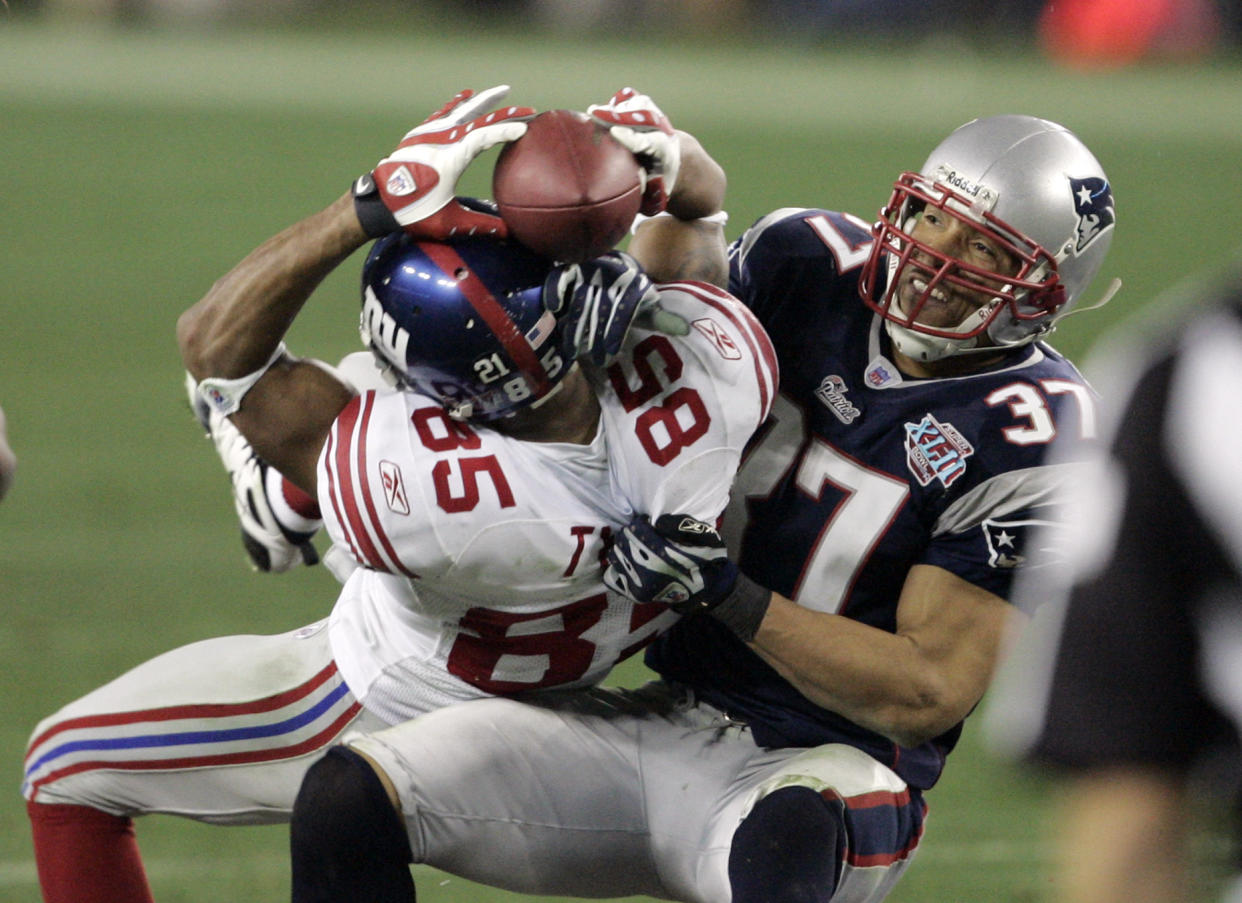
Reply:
x=347, y=842
x=788, y=848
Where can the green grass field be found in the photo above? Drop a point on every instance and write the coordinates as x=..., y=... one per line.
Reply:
x=137, y=167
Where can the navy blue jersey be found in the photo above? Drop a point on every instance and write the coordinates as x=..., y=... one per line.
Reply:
x=861, y=473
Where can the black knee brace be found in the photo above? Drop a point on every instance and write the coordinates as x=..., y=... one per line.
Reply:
x=347, y=841
x=788, y=849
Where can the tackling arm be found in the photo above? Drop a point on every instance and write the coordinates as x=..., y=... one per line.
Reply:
x=911, y=685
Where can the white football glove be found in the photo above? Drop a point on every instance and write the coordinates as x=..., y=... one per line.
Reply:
x=413, y=187
x=638, y=124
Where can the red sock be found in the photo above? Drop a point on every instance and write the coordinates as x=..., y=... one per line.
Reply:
x=86, y=856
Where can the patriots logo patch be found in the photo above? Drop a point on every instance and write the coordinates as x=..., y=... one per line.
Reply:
x=831, y=392
x=1005, y=541
x=1030, y=542
x=1093, y=202
x=1036, y=539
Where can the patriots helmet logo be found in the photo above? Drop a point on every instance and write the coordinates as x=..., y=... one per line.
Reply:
x=1093, y=202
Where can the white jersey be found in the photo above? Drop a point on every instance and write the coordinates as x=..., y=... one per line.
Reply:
x=482, y=555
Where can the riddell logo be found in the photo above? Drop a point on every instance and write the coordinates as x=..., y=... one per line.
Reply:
x=394, y=488
x=981, y=195
x=961, y=183
x=717, y=335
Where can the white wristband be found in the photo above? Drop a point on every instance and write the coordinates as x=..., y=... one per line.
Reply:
x=719, y=216
x=224, y=396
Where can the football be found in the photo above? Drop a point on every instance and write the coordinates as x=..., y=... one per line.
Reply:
x=566, y=189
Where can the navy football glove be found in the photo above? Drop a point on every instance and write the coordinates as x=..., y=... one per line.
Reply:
x=682, y=562
x=679, y=561
x=596, y=302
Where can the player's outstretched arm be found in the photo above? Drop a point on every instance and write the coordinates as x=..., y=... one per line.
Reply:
x=682, y=181
x=689, y=243
x=233, y=337
x=231, y=340
x=911, y=685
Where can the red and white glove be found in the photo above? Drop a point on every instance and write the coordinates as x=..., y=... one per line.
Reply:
x=638, y=124
x=413, y=187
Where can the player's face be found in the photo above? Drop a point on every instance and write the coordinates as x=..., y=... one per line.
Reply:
x=949, y=303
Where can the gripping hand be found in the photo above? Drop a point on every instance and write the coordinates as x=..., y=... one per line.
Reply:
x=638, y=124
x=413, y=187
x=681, y=562
x=678, y=561
x=596, y=302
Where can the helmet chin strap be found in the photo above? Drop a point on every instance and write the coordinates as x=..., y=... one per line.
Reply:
x=1114, y=286
x=925, y=347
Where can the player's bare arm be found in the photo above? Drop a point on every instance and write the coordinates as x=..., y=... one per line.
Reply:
x=235, y=331
x=238, y=325
x=911, y=685
x=687, y=245
x=701, y=182
x=673, y=249
x=683, y=181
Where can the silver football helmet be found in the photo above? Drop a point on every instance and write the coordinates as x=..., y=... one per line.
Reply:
x=1031, y=187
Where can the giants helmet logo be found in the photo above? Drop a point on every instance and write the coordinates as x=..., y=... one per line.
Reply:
x=381, y=331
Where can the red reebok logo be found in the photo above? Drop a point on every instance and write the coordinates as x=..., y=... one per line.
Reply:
x=717, y=335
x=394, y=488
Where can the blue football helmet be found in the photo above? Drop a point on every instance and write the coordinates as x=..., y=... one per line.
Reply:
x=463, y=322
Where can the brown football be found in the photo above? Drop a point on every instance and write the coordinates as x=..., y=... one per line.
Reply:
x=566, y=189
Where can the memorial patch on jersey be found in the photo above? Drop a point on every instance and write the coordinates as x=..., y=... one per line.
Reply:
x=831, y=392
x=718, y=336
x=936, y=451
x=394, y=488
